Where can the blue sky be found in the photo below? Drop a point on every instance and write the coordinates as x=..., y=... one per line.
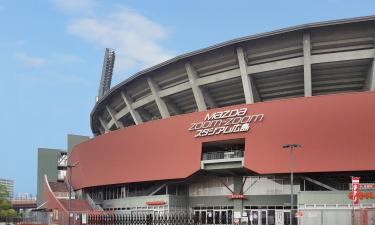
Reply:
x=51, y=54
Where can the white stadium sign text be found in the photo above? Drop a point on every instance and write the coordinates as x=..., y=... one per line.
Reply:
x=225, y=122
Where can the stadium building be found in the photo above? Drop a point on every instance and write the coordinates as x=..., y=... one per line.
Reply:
x=203, y=133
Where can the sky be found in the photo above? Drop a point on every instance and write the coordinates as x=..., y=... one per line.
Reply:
x=51, y=55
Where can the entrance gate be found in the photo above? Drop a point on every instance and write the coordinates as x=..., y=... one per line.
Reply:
x=282, y=217
x=267, y=216
x=257, y=217
x=213, y=216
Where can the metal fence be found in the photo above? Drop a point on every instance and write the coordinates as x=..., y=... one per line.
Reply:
x=364, y=217
x=36, y=217
x=140, y=219
x=310, y=217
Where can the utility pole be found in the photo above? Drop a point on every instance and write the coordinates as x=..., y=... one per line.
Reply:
x=70, y=166
x=290, y=148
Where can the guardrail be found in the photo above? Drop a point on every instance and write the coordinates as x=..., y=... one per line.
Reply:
x=63, y=195
x=92, y=203
x=223, y=155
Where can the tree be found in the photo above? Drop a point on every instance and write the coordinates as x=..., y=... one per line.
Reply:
x=4, y=194
x=5, y=206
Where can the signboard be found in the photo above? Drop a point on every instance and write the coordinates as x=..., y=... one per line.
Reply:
x=225, y=122
x=156, y=203
x=55, y=213
x=367, y=186
x=355, y=190
x=236, y=196
x=363, y=195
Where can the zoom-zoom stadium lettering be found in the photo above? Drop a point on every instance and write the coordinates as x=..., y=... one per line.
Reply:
x=225, y=122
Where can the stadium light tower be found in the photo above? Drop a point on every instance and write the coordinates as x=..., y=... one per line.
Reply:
x=107, y=72
x=290, y=148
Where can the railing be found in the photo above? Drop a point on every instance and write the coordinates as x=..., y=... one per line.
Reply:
x=92, y=203
x=223, y=155
x=33, y=217
x=146, y=219
x=63, y=195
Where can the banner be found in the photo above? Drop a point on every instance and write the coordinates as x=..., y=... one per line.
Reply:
x=355, y=190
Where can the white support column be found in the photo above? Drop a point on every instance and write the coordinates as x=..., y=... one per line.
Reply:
x=159, y=102
x=197, y=92
x=246, y=81
x=370, y=79
x=372, y=76
x=112, y=113
x=106, y=129
x=307, y=64
x=134, y=113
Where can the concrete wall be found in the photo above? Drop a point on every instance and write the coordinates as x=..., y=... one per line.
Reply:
x=47, y=165
x=73, y=139
x=326, y=217
x=329, y=198
x=195, y=201
x=140, y=201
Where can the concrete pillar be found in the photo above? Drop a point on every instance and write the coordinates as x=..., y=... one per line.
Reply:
x=104, y=125
x=159, y=102
x=197, y=92
x=112, y=113
x=246, y=81
x=370, y=79
x=237, y=186
x=307, y=64
x=134, y=113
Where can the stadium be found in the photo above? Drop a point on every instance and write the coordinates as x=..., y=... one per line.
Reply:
x=216, y=133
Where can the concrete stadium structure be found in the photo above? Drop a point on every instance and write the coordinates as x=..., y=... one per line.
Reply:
x=308, y=60
x=202, y=133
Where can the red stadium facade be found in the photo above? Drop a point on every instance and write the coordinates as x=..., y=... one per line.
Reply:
x=216, y=134
x=331, y=141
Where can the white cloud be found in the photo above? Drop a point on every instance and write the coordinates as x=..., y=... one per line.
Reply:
x=30, y=60
x=53, y=79
x=75, y=6
x=135, y=38
x=55, y=59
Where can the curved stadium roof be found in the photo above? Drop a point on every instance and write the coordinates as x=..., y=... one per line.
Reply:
x=307, y=60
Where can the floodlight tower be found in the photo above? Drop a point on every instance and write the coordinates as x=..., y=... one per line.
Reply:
x=107, y=72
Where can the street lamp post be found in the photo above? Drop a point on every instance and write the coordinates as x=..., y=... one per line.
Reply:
x=291, y=147
x=70, y=166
